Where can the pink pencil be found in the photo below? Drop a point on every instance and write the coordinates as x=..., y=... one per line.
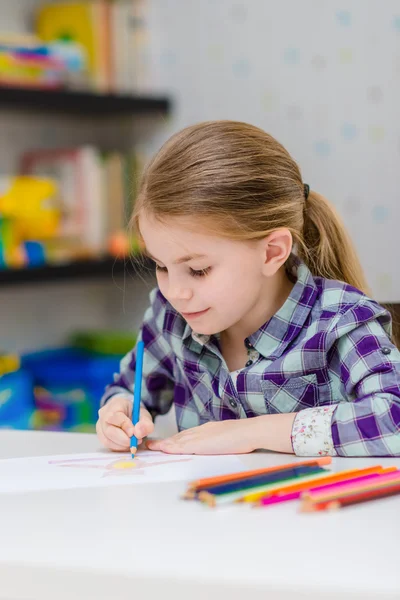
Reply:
x=330, y=486
x=351, y=486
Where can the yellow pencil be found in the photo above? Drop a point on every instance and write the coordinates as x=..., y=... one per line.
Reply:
x=320, y=479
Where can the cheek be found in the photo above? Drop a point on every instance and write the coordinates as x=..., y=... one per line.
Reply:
x=161, y=281
x=235, y=282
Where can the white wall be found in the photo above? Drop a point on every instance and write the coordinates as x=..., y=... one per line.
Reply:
x=322, y=77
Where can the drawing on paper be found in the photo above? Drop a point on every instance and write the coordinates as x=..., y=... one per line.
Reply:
x=104, y=468
x=120, y=467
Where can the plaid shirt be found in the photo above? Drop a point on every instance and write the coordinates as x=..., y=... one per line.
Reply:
x=326, y=355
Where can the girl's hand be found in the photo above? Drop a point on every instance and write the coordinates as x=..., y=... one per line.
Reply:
x=216, y=437
x=114, y=426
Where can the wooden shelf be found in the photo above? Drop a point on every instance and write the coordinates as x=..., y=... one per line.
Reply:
x=107, y=267
x=84, y=103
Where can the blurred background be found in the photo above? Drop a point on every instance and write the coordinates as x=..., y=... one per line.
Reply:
x=90, y=89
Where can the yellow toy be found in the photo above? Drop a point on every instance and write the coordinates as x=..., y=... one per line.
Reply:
x=29, y=215
x=9, y=363
x=32, y=204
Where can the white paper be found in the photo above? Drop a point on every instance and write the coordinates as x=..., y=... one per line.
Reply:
x=101, y=469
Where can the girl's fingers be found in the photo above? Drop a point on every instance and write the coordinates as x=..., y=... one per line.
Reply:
x=116, y=436
x=106, y=441
x=144, y=428
x=119, y=419
x=169, y=446
x=116, y=429
x=154, y=444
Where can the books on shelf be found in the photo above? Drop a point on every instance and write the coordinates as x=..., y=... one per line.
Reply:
x=96, y=189
x=26, y=61
x=114, y=35
x=68, y=204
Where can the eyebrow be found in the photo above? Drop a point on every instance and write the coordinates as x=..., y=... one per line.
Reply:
x=180, y=260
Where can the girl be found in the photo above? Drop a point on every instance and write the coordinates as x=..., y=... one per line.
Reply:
x=260, y=331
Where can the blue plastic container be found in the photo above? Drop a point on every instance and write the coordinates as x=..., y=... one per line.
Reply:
x=69, y=384
x=16, y=400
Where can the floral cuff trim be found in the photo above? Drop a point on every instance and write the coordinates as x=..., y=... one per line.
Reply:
x=312, y=433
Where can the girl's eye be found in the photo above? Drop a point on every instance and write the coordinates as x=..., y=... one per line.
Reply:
x=193, y=272
x=201, y=273
x=162, y=269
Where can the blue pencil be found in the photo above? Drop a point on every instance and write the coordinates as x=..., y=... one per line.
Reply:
x=137, y=393
x=257, y=480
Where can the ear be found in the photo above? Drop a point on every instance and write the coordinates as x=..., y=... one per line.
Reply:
x=276, y=250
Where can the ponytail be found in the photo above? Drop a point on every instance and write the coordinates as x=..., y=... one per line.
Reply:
x=327, y=249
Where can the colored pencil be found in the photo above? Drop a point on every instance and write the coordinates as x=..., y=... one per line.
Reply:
x=253, y=481
x=351, y=499
x=335, y=478
x=235, y=495
x=327, y=477
x=301, y=483
x=258, y=480
x=216, y=480
x=331, y=478
x=278, y=498
x=348, y=488
x=137, y=393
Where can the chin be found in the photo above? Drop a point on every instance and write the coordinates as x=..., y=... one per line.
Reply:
x=204, y=330
x=209, y=329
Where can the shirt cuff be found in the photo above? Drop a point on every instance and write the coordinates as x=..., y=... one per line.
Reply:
x=115, y=392
x=312, y=432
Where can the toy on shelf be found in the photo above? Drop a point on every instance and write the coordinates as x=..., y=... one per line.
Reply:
x=30, y=215
x=9, y=363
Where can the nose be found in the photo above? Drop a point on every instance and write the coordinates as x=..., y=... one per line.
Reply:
x=177, y=291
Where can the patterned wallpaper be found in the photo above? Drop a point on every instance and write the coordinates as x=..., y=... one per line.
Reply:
x=322, y=77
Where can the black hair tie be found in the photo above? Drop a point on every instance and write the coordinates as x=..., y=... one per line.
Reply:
x=306, y=190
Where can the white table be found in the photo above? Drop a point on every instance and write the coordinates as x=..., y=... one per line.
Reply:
x=142, y=542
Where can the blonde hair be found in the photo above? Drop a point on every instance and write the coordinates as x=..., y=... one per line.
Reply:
x=245, y=184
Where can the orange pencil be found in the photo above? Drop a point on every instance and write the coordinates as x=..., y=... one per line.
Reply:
x=326, y=479
x=315, y=487
x=351, y=499
x=210, y=481
x=380, y=482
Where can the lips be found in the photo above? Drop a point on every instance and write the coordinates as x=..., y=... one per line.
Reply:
x=193, y=315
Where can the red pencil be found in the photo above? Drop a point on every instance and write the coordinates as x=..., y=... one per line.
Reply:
x=348, y=488
x=351, y=499
x=308, y=486
x=318, y=487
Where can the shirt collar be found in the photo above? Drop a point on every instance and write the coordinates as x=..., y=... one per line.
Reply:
x=194, y=341
x=276, y=334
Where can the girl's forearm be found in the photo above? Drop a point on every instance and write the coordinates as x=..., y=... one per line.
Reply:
x=273, y=432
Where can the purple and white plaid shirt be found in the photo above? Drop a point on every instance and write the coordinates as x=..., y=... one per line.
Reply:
x=326, y=355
